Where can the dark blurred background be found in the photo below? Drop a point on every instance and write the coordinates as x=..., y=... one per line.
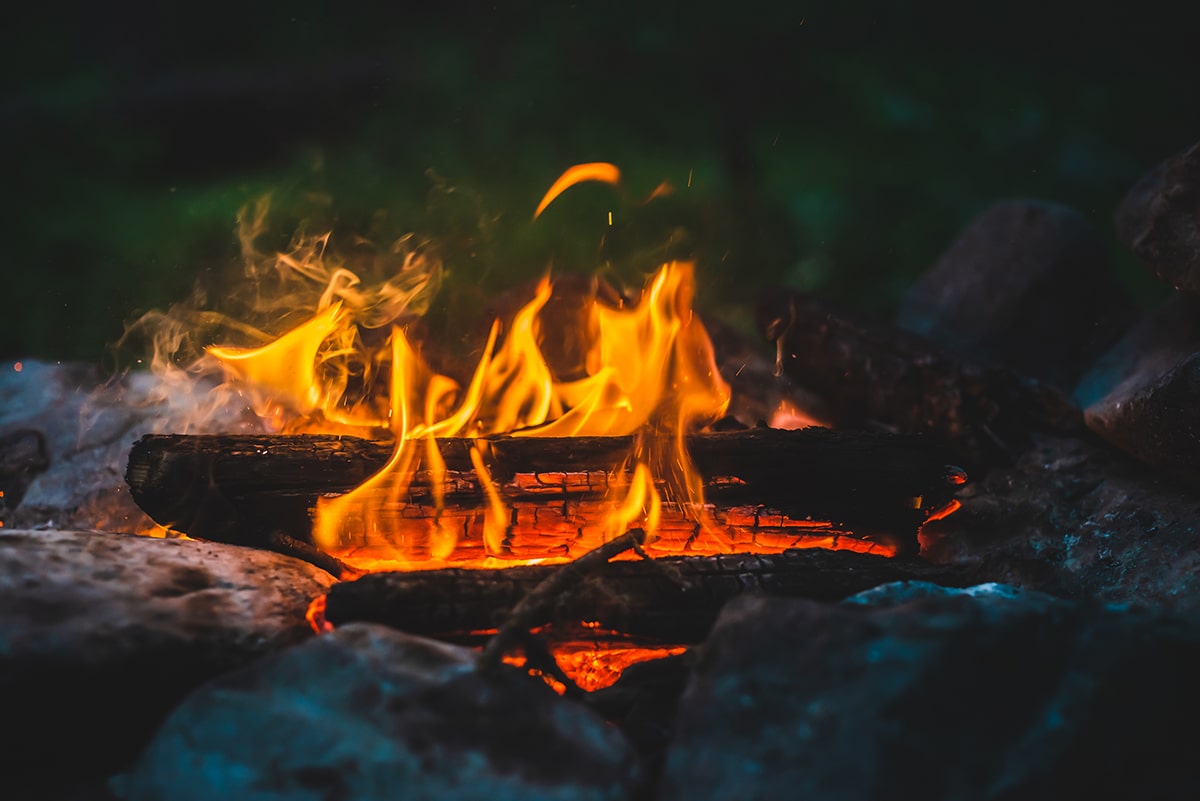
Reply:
x=829, y=145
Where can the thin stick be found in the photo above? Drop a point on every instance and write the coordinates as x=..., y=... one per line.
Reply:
x=531, y=609
x=290, y=546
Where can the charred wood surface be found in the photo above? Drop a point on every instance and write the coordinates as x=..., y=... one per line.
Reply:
x=879, y=375
x=672, y=599
x=240, y=488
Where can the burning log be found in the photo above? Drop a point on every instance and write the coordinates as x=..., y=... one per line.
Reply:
x=883, y=376
x=247, y=489
x=672, y=599
x=531, y=609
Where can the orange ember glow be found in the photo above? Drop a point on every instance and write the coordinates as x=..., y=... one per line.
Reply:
x=594, y=666
x=947, y=510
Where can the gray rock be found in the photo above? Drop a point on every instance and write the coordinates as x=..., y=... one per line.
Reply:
x=953, y=695
x=101, y=634
x=896, y=593
x=1159, y=220
x=22, y=458
x=1026, y=285
x=88, y=424
x=1158, y=422
x=1078, y=520
x=370, y=713
x=1143, y=394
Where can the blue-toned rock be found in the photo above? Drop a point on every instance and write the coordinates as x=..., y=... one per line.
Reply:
x=913, y=691
x=368, y=712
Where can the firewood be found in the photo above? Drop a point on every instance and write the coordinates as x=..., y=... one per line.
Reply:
x=878, y=375
x=243, y=489
x=531, y=610
x=673, y=599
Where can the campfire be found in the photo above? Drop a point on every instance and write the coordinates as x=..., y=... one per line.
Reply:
x=585, y=413
x=371, y=546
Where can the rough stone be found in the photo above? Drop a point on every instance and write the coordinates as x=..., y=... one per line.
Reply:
x=1026, y=285
x=979, y=694
x=1078, y=520
x=1143, y=394
x=22, y=458
x=101, y=634
x=1158, y=422
x=1159, y=220
x=370, y=713
x=88, y=424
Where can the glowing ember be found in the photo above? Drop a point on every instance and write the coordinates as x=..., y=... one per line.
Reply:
x=594, y=666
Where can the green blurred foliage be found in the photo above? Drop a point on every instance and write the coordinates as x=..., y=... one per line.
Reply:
x=832, y=146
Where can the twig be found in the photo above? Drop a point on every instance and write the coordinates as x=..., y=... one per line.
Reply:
x=531, y=609
x=290, y=546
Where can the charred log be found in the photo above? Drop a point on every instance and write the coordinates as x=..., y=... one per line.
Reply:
x=675, y=599
x=531, y=610
x=880, y=376
x=245, y=489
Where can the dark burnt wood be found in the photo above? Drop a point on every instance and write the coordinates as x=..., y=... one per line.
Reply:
x=240, y=489
x=538, y=604
x=876, y=375
x=674, y=599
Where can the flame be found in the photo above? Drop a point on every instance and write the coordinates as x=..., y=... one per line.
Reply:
x=328, y=349
x=649, y=365
x=595, y=171
x=285, y=372
x=789, y=417
x=346, y=358
x=315, y=615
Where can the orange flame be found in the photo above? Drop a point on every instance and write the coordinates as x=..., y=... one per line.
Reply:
x=643, y=367
x=595, y=171
x=315, y=615
x=649, y=364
